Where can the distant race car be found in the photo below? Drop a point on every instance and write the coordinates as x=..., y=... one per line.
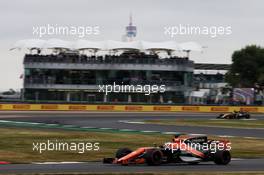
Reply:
x=183, y=149
x=235, y=115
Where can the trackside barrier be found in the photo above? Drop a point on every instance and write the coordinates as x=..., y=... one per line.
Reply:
x=127, y=108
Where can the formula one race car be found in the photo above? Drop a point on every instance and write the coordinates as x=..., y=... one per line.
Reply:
x=235, y=115
x=183, y=149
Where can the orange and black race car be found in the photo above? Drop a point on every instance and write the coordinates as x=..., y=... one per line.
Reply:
x=234, y=115
x=190, y=149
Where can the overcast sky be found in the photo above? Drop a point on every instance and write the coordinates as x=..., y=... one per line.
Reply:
x=18, y=17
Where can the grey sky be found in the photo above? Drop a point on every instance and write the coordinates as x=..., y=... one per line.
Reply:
x=150, y=16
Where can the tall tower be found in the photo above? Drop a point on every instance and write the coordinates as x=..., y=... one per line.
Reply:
x=131, y=31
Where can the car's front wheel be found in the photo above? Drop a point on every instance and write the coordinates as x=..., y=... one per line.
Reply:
x=154, y=157
x=222, y=157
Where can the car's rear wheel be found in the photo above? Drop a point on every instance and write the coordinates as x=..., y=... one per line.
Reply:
x=153, y=157
x=247, y=116
x=222, y=157
x=122, y=152
x=233, y=116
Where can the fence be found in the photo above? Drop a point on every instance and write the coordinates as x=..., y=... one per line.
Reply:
x=127, y=108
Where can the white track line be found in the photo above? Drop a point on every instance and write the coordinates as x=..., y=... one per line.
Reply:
x=131, y=122
x=171, y=133
x=149, y=131
x=88, y=127
x=127, y=130
x=40, y=163
x=228, y=136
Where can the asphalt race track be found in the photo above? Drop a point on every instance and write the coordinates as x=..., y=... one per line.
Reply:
x=116, y=120
x=97, y=167
x=119, y=121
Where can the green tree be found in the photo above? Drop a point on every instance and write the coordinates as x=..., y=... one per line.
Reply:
x=247, y=67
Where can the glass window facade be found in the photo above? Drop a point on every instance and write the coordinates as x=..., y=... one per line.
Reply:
x=51, y=84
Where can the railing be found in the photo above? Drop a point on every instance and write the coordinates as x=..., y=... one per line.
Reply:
x=146, y=59
x=85, y=81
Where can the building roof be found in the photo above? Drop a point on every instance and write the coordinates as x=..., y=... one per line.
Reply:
x=167, y=45
x=30, y=43
x=57, y=43
x=106, y=45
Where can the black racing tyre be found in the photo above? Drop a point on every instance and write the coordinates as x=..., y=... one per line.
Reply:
x=154, y=157
x=234, y=116
x=247, y=116
x=122, y=152
x=220, y=116
x=222, y=157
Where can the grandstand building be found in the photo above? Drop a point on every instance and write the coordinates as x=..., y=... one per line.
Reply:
x=60, y=71
x=209, y=84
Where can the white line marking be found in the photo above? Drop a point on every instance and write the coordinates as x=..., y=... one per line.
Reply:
x=4, y=121
x=51, y=124
x=127, y=130
x=33, y=123
x=122, y=121
x=131, y=122
x=170, y=133
x=21, y=122
x=7, y=121
x=195, y=134
x=236, y=159
x=149, y=131
x=225, y=136
x=88, y=127
x=250, y=137
x=56, y=162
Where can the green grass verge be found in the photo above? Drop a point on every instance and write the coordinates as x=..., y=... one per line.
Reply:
x=257, y=124
x=16, y=144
